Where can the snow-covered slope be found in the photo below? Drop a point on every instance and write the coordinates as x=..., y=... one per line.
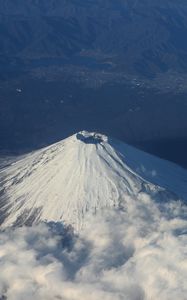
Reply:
x=81, y=174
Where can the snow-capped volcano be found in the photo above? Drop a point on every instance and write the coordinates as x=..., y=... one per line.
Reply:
x=79, y=175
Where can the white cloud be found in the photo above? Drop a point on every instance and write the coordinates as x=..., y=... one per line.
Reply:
x=135, y=253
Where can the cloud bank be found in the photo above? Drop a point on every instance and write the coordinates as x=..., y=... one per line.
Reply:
x=134, y=253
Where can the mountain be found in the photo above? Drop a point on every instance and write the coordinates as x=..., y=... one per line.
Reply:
x=80, y=175
x=135, y=36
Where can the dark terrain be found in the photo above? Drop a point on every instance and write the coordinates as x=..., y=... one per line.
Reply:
x=118, y=67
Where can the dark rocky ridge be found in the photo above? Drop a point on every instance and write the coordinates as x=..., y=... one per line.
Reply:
x=143, y=37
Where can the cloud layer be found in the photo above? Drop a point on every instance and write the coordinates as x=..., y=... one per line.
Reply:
x=135, y=253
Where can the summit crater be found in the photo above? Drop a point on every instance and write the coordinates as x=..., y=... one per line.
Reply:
x=91, y=137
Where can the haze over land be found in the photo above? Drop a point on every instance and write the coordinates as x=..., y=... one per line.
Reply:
x=117, y=67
